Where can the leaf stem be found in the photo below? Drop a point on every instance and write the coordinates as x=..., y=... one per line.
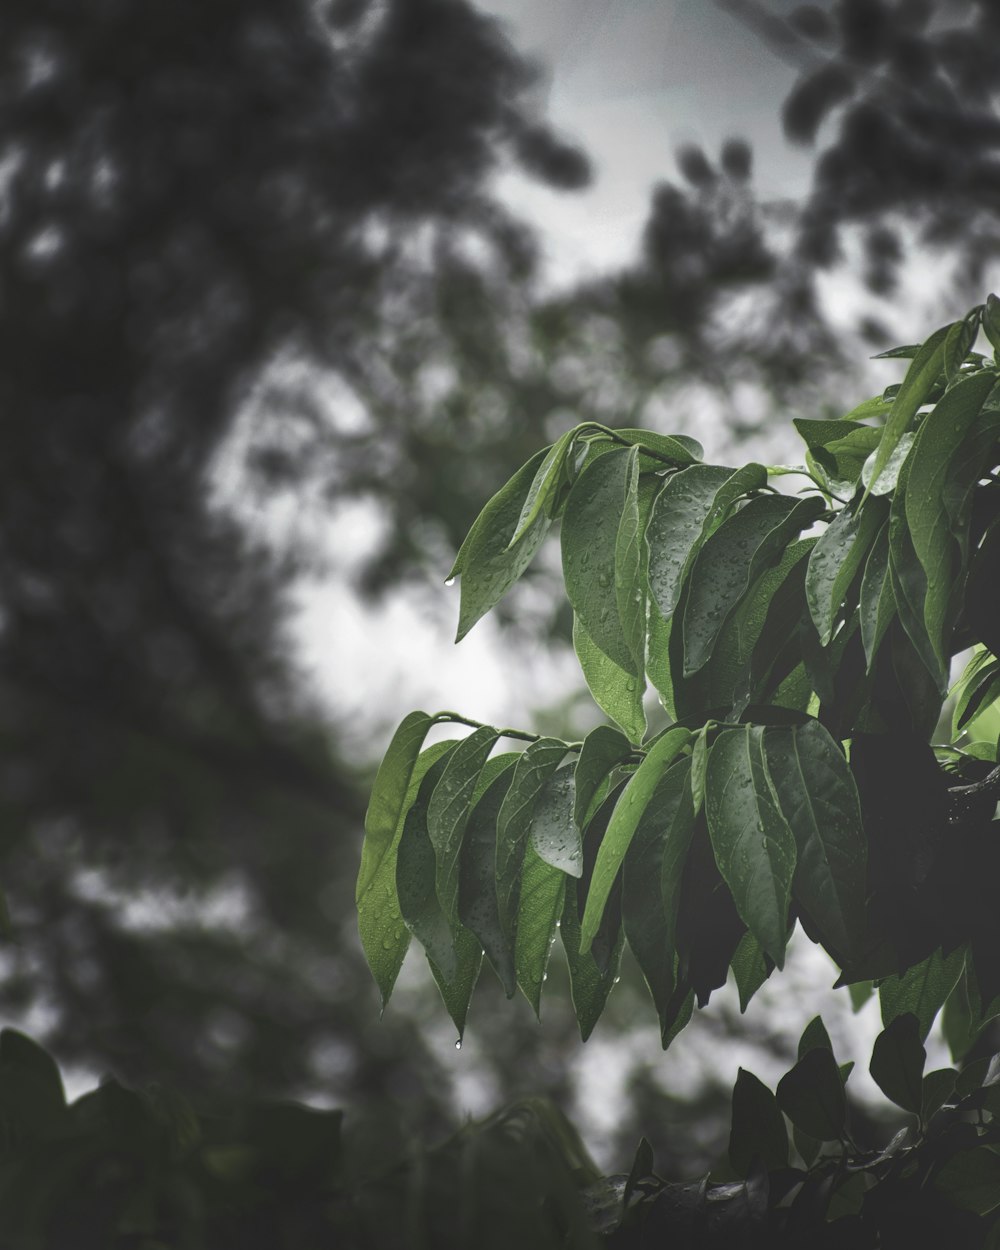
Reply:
x=522, y=735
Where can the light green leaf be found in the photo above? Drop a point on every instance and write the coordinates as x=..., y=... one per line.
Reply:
x=551, y=476
x=876, y=407
x=630, y=571
x=477, y=895
x=935, y=460
x=553, y=831
x=456, y=991
x=730, y=562
x=540, y=905
x=922, y=989
x=486, y=564
x=384, y=936
x=448, y=811
x=622, y=826
x=387, y=802
x=589, y=542
x=617, y=693
x=957, y=343
x=816, y=795
x=534, y=768
x=603, y=749
x=839, y=448
x=690, y=506
x=920, y=377
x=878, y=606
x=835, y=561
x=651, y=879
x=897, y=1064
x=888, y=479
x=678, y=449
x=757, y=1127
x=751, y=968
x=754, y=847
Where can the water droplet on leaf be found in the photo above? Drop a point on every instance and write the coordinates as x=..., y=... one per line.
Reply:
x=458, y=1044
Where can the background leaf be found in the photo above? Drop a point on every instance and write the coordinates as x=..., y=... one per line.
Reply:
x=758, y=1128
x=897, y=1065
x=812, y=1095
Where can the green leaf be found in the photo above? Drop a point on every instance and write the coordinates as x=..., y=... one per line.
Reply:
x=651, y=882
x=812, y=1095
x=630, y=562
x=683, y=515
x=938, y=1087
x=603, y=749
x=888, y=479
x=678, y=449
x=617, y=693
x=876, y=407
x=699, y=767
x=838, y=448
x=416, y=875
x=477, y=896
x=384, y=936
x=757, y=1129
x=878, y=606
x=540, y=904
x=970, y=1179
x=751, y=968
x=860, y=992
x=622, y=826
x=550, y=477
x=897, y=1065
x=487, y=565
x=991, y=322
x=818, y=800
x=754, y=847
x=982, y=691
x=922, y=989
x=30, y=1084
x=456, y=990
x=555, y=836
x=389, y=793
x=813, y=1035
x=834, y=563
x=448, y=811
x=957, y=343
x=589, y=542
x=920, y=377
x=729, y=563
x=909, y=589
x=531, y=773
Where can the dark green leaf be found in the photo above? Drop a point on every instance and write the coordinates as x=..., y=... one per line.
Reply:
x=971, y=1179
x=477, y=895
x=617, y=693
x=603, y=749
x=835, y=561
x=818, y=800
x=589, y=540
x=813, y=1035
x=448, y=810
x=922, y=989
x=976, y=694
x=754, y=847
x=539, y=907
x=537, y=764
x=456, y=990
x=897, y=1065
x=30, y=1087
x=555, y=836
x=389, y=792
x=630, y=566
x=677, y=449
x=920, y=377
x=751, y=968
x=729, y=563
x=486, y=564
x=860, y=992
x=384, y=936
x=877, y=603
x=623, y=824
x=758, y=1128
x=812, y=1095
x=909, y=589
x=888, y=479
x=550, y=478
x=957, y=343
x=938, y=1087
x=991, y=322
x=699, y=766
x=651, y=880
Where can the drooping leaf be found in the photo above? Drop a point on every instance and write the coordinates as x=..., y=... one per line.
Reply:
x=757, y=1127
x=751, y=968
x=651, y=880
x=938, y=1087
x=487, y=566
x=816, y=795
x=549, y=480
x=538, y=762
x=729, y=563
x=603, y=749
x=834, y=563
x=877, y=603
x=589, y=541
x=389, y=793
x=957, y=343
x=909, y=590
x=448, y=811
x=920, y=377
x=540, y=904
x=477, y=896
x=812, y=1095
x=384, y=936
x=813, y=1035
x=897, y=1065
x=456, y=990
x=708, y=928
x=554, y=834
x=922, y=989
x=622, y=826
x=617, y=693
x=630, y=565
x=754, y=847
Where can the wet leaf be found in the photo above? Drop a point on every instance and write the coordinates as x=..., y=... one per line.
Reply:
x=757, y=1128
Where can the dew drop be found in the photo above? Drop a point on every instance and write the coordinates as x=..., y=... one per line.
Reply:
x=458, y=1044
x=387, y=944
x=450, y=581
